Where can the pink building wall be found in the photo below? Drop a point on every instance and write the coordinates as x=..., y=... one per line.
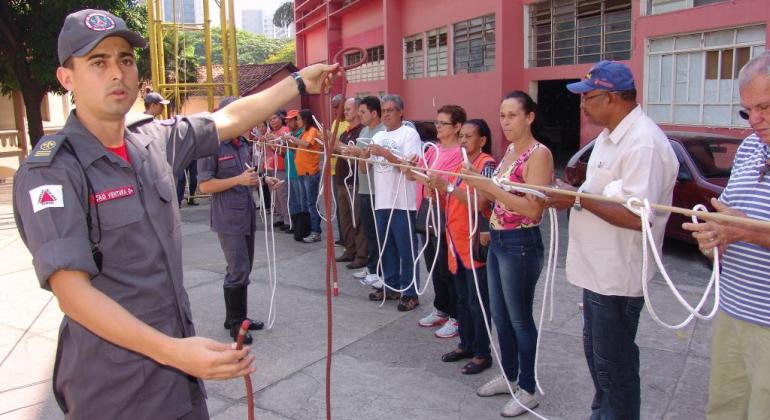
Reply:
x=368, y=23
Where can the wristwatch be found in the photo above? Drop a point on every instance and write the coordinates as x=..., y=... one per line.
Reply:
x=450, y=188
x=577, y=205
x=300, y=83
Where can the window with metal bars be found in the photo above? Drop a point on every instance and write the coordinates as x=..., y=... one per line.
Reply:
x=438, y=52
x=692, y=78
x=474, y=45
x=579, y=31
x=373, y=69
x=414, y=58
x=662, y=6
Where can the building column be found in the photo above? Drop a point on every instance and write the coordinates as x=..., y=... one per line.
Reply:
x=394, y=51
x=509, y=57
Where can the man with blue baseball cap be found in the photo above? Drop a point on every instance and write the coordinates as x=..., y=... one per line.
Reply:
x=95, y=205
x=631, y=158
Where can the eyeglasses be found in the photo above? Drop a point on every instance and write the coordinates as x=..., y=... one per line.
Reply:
x=584, y=99
x=441, y=123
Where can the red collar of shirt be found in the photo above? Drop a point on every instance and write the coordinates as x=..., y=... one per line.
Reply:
x=120, y=151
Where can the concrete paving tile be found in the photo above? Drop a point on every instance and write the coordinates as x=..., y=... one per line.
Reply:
x=690, y=396
x=31, y=361
x=700, y=345
x=237, y=412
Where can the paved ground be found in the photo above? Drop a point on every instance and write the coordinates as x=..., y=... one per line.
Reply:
x=384, y=365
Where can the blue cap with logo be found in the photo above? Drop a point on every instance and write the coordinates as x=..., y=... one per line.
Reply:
x=607, y=75
x=85, y=29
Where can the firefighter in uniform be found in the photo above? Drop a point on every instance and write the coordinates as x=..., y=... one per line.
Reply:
x=95, y=205
x=230, y=177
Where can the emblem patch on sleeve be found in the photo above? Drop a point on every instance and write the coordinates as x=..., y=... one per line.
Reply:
x=46, y=196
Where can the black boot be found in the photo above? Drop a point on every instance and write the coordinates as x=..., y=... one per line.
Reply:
x=233, y=320
x=236, y=311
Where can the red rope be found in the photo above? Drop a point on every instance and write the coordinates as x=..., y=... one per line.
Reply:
x=247, y=378
x=331, y=265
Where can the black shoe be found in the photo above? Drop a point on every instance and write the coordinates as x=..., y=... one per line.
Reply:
x=248, y=339
x=284, y=227
x=253, y=325
x=339, y=242
x=472, y=368
x=355, y=264
x=191, y=202
x=278, y=224
x=454, y=356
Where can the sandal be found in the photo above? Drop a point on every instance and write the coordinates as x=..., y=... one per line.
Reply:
x=456, y=356
x=472, y=368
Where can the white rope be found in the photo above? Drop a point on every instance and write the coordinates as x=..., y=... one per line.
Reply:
x=643, y=210
x=352, y=171
x=473, y=206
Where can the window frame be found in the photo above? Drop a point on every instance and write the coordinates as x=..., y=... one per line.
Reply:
x=463, y=34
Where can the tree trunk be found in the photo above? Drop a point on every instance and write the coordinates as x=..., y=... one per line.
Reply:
x=33, y=97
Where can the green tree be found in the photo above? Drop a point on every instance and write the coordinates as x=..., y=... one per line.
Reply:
x=252, y=49
x=284, y=15
x=28, y=60
x=286, y=53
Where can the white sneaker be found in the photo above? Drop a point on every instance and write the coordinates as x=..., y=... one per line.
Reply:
x=361, y=274
x=313, y=237
x=370, y=280
x=513, y=408
x=378, y=283
x=449, y=329
x=495, y=387
x=433, y=319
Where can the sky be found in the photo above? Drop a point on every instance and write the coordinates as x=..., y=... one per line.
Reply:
x=268, y=5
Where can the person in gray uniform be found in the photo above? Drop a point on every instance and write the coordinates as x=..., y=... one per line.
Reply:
x=230, y=178
x=95, y=205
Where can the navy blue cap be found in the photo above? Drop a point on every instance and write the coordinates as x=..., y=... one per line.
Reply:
x=607, y=75
x=85, y=29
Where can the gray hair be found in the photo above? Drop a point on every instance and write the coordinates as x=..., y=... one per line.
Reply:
x=757, y=66
x=338, y=98
x=396, y=99
x=356, y=101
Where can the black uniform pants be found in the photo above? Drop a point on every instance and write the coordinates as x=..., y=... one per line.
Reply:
x=445, y=299
x=239, y=255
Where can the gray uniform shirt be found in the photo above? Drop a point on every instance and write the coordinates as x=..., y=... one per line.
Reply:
x=232, y=211
x=142, y=260
x=364, y=186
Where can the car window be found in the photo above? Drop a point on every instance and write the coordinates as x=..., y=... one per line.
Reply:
x=713, y=157
x=684, y=172
x=587, y=155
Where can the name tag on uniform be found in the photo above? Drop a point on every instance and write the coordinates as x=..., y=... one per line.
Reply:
x=46, y=196
x=221, y=158
x=113, y=194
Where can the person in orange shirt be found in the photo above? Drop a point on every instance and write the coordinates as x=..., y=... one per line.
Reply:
x=308, y=166
x=476, y=138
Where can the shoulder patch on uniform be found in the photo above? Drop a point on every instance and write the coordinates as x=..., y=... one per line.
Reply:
x=46, y=196
x=45, y=150
x=134, y=118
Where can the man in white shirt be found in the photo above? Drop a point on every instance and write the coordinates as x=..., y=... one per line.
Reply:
x=631, y=158
x=395, y=204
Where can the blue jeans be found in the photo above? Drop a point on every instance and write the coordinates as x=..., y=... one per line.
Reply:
x=296, y=196
x=310, y=185
x=473, y=332
x=397, y=259
x=609, y=331
x=514, y=262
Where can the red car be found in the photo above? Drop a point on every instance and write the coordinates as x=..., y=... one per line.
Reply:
x=705, y=162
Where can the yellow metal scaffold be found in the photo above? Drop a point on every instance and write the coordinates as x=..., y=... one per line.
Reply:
x=159, y=30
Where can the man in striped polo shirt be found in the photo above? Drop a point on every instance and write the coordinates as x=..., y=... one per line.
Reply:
x=739, y=387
